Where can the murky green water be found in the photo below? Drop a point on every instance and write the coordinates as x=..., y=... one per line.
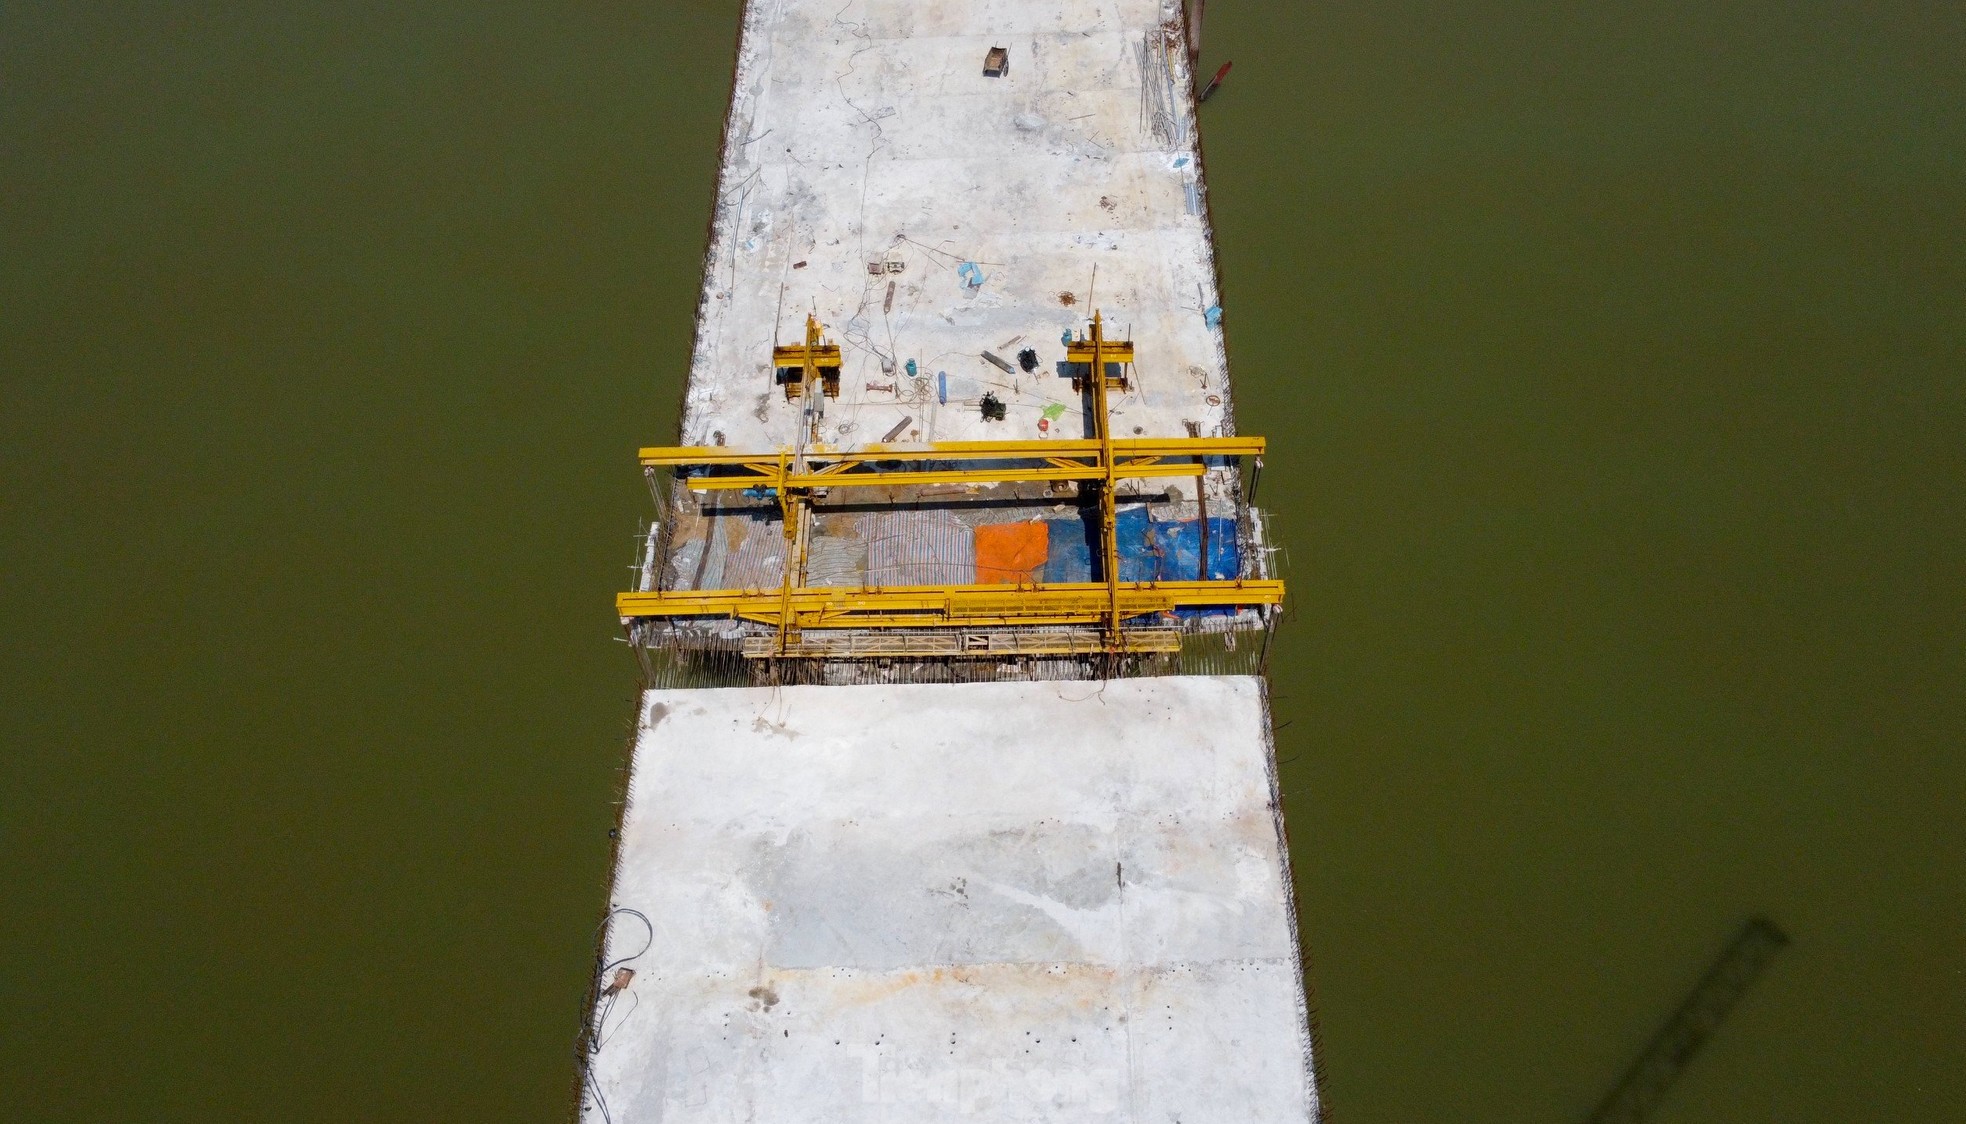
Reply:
x=1615, y=358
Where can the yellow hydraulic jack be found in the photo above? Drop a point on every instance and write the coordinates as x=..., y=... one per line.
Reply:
x=796, y=366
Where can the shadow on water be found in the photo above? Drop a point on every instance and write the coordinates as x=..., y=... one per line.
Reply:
x=1639, y=1092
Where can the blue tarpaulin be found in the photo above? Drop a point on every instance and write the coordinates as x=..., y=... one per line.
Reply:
x=919, y=548
x=1070, y=555
x=1171, y=552
x=1139, y=547
x=1180, y=559
x=1183, y=557
x=1149, y=551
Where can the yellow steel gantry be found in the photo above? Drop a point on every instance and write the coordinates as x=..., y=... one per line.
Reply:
x=1098, y=356
x=792, y=475
x=1136, y=458
x=972, y=606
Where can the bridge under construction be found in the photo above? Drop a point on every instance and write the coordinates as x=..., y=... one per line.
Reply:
x=953, y=791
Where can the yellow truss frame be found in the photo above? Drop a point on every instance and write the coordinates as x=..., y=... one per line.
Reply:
x=1138, y=459
x=975, y=606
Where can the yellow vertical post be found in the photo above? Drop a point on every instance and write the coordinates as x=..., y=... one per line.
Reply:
x=795, y=568
x=791, y=501
x=788, y=511
x=1108, y=509
x=809, y=376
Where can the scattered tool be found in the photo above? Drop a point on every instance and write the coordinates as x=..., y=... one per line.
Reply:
x=998, y=362
x=1216, y=81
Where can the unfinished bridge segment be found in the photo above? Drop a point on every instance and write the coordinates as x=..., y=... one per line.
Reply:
x=953, y=792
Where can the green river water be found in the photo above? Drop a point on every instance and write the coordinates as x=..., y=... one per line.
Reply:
x=1614, y=358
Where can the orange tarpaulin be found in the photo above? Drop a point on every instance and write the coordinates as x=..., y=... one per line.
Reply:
x=1010, y=553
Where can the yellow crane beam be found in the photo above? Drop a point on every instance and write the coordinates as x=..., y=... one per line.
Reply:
x=1102, y=422
x=767, y=477
x=963, y=605
x=681, y=456
x=1137, y=459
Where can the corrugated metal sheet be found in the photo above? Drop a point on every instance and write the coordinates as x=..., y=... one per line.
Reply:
x=686, y=566
x=919, y=548
x=837, y=562
x=758, y=562
x=741, y=550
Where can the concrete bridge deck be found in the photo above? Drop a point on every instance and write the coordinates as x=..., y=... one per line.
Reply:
x=865, y=132
x=1005, y=901
x=1058, y=901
